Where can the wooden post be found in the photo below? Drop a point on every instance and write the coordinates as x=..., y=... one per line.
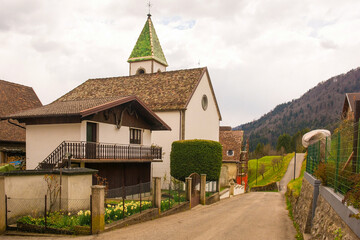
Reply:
x=202, y=189
x=98, y=209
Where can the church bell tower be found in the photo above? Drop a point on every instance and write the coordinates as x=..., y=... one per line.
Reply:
x=147, y=55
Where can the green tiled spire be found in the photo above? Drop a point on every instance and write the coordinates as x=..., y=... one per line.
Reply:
x=148, y=45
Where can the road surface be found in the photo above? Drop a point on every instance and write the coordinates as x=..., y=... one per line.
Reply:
x=289, y=175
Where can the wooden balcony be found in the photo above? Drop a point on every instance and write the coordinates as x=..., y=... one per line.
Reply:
x=79, y=151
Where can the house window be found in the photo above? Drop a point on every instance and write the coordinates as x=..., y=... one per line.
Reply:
x=230, y=153
x=135, y=136
x=204, y=102
x=140, y=71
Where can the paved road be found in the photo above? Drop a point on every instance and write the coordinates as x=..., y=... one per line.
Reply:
x=258, y=215
x=289, y=175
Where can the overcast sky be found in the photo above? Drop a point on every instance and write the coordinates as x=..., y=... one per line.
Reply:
x=259, y=53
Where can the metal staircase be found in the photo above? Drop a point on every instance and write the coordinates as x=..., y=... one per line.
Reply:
x=57, y=159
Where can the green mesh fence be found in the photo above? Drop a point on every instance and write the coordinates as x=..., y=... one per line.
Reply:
x=334, y=160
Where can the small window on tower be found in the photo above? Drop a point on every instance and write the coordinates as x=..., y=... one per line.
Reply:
x=230, y=153
x=140, y=71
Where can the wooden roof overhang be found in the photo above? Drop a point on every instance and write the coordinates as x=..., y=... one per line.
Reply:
x=50, y=114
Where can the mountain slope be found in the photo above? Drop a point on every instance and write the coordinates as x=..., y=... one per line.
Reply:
x=319, y=107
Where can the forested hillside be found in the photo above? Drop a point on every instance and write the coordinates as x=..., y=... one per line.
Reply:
x=320, y=107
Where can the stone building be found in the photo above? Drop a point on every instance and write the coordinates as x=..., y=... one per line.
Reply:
x=231, y=141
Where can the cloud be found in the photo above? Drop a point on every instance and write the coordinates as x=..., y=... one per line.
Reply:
x=259, y=53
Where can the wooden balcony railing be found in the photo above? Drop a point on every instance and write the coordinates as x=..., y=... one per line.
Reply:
x=95, y=150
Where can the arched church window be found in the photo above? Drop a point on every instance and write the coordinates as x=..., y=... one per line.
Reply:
x=204, y=102
x=140, y=71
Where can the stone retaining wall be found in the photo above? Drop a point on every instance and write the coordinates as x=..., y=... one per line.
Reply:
x=268, y=187
x=327, y=221
x=319, y=211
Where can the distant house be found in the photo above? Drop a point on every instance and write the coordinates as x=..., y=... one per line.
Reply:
x=231, y=141
x=13, y=98
x=349, y=105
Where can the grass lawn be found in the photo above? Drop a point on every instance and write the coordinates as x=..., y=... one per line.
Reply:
x=270, y=175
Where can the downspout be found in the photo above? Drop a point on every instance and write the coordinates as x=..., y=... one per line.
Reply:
x=15, y=124
x=182, y=125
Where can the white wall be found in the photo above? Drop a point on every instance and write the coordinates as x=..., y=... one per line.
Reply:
x=158, y=66
x=134, y=66
x=200, y=124
x=164, y=139
x=41, y=140
x=147, y=66
x=109, y=133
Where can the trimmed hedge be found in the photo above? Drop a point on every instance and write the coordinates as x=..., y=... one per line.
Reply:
x=200, y=156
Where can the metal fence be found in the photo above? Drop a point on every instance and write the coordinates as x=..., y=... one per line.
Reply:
x=172, y=194
x=43, y=209
x=335, y=159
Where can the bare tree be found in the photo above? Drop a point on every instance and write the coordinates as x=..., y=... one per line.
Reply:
x=262, y=170
x=53, y=189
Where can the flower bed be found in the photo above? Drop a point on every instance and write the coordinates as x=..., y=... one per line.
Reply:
x=68, y=223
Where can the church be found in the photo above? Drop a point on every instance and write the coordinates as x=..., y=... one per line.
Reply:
x=143, y=113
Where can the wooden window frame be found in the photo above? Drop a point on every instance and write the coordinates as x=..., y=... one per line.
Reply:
x=135, y=136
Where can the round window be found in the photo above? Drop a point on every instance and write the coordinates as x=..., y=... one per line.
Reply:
x=204, y=102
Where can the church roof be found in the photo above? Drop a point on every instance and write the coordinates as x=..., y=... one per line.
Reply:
x=161, y=91
x=148, y=45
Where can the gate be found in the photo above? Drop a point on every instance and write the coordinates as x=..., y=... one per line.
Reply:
x=195, y=189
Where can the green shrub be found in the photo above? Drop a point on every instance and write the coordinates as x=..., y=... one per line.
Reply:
x=7, y=168
x=200, y=156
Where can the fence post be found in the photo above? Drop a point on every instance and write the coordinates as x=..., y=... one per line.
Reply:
x=188, y=181
x=319, y=155
x=45, y=211
x=231, y=190
x=358, y=147
x=98, y=209
x=3, y=204
x=202, y=189
x=91, y=212
x=140, y=196
x=326, y=143
x=337, y=162
x=157, y=193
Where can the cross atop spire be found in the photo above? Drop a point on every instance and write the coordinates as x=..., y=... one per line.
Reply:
x=149, y=5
